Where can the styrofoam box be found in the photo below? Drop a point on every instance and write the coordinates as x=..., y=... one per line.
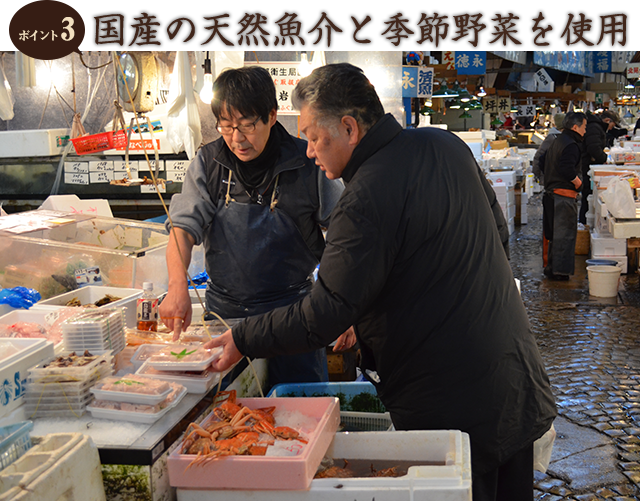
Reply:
x=608, y=246
x=32, y=143
x=264, y=472
x=623, y=261
x=37, y=314
x=194, y=382
x=447, y=477
x=93, y=293
x=507, y=177
x=14, y=370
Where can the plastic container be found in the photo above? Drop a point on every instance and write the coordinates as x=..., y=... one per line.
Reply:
x=93, y=293
x=147, y=309
x=130, y=395
x=169, y=359
x=194, y=382
x=143, y=352
x=95, y=330
x=263, y=472
x=102, y=141
x=603, y=280
x=445, y=476
x=14, y=442
x=134, y=417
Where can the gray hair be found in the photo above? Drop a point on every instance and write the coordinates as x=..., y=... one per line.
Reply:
x=612, y=115
x=336, y=90
x=572, y=119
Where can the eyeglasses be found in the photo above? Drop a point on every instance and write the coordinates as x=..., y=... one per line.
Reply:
x=227, y=130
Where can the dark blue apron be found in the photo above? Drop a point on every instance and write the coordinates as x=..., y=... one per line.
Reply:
x=257, y=260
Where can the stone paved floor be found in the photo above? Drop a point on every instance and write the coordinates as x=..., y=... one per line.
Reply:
x=592, y=354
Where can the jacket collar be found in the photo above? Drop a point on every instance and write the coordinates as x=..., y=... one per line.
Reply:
x=573, y=135
x=290, y=157
x=376, y=138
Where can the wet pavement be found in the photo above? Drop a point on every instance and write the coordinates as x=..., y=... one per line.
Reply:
x=592, y=355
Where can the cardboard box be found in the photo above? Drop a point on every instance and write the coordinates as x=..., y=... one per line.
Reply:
x=499, y=145
x=507, y=177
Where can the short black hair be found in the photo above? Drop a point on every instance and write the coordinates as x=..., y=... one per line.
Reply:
x=573, y=118
x=249, y=90
x=336, y=90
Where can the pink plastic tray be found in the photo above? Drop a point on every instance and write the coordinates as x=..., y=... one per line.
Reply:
x=264, y=472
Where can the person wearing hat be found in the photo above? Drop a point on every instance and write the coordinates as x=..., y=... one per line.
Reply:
x=613, y=131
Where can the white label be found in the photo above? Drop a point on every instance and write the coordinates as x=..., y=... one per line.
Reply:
x=100, y=177
x=88, y=276
x=176, y=176
x=102, y=166
x=76, y=178
x=151, y=165
x=176, y=165
x=121, y=165
x=76, y=167
x=150, y=188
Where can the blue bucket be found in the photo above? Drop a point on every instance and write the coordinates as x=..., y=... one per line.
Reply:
x=601, y=262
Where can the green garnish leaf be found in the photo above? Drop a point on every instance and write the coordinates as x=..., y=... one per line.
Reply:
x=182, y=354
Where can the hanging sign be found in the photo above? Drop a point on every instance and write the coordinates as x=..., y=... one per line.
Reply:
x=602, y=62
x=425, y=82
x=409, y=81
x=471, y=62
x=633, y=70
x=285, y=77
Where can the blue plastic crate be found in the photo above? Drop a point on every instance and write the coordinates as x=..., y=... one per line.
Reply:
x=14, y=442
x=345, y=391
x=351, y=416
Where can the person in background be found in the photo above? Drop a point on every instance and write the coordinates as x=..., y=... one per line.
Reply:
x=415, y=263
x=637, y=126
x=563, y=168
x=259, y=206
x=538, y=158
x=613, y=130
x=594, y=144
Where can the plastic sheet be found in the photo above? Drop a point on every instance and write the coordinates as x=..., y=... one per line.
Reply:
x=619, y=199
x=183, y=120
x=19, y=297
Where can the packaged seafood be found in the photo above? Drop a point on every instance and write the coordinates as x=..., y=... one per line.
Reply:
x=132, y=388
x=194, y=381
x=137, y=413
x=183, y=357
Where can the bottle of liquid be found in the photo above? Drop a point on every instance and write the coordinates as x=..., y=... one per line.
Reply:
x=147, y=309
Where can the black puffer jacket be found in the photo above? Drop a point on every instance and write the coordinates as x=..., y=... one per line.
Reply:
x=415, y=262
x=595, y=141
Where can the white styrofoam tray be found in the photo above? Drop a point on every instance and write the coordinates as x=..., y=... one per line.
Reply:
x=129, y=396
x=93, y=293
x=447, y=477
x=164, y=365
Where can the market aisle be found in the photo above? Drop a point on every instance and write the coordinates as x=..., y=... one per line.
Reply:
x=591, y=351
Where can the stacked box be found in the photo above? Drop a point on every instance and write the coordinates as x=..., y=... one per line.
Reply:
x=505, y=193
x=64, y=391
x=96, y=330
x=607, y=247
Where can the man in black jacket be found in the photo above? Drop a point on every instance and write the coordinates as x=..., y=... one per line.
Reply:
x=561, y=184
x=415, y=263
x=594, y=143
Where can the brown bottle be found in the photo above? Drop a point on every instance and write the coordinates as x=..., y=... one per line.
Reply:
x=147, y=309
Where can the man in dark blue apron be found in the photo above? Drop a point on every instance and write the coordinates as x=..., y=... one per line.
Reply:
x=258, y=205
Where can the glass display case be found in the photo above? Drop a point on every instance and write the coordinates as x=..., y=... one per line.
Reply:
x=54, y=252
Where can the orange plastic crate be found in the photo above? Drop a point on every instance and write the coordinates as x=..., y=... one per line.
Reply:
x=95, y=143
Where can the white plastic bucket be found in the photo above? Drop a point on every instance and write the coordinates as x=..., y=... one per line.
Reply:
x=603, y=280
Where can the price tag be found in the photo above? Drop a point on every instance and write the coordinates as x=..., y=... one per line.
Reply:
x=180, y=165
x=76, y=167
x=176, y=176
x=100, y=177
x=150, y=188
x=78, y=178
x=102, y=166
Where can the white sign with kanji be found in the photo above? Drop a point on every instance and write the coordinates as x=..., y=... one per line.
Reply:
x=285, y=77
x=633, y=70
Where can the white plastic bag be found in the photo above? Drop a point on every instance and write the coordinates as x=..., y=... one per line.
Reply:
x=619, y=199
x=6, y=99
x=183, y=118
x=542, y=449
